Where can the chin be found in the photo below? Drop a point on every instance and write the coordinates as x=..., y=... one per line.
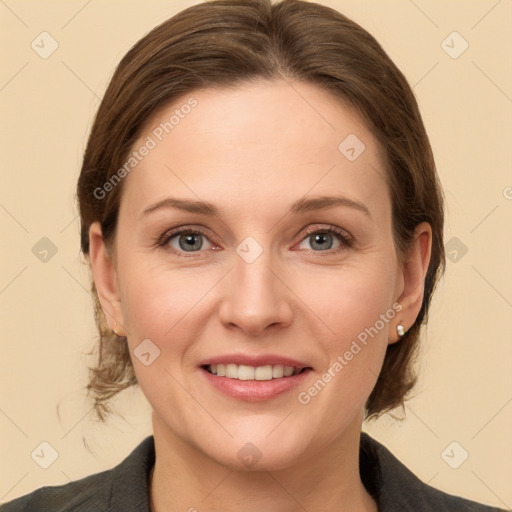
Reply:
x=268, y=449
x=250, y=458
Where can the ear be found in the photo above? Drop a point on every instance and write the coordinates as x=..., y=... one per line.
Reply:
x=412, y=277
x=105, y=279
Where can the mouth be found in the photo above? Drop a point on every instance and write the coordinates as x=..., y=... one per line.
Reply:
x=254, y=378
x=254, y=373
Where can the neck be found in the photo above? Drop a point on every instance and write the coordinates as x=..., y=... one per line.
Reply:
x=185, y=479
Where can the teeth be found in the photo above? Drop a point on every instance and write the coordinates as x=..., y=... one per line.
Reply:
x=263, y=372
x=232, y=371
x=244, y=372
x=277, y=371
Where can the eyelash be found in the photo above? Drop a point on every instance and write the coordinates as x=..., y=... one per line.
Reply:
x=345, y=239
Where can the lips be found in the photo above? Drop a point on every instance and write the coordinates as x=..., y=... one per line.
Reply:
x=254, y=378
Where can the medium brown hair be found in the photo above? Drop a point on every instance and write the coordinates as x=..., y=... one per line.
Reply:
x=229, y=43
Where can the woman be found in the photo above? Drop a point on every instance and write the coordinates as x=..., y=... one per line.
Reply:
x=263, y=221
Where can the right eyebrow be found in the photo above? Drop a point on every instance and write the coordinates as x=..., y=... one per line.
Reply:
x=188, y=205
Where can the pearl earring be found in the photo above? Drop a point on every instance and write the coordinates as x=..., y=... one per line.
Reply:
x=114, y=329
x=400, y=329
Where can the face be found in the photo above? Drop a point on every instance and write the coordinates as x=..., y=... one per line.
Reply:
x=276, y=277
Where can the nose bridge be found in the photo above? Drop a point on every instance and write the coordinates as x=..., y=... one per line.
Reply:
x=256, y=297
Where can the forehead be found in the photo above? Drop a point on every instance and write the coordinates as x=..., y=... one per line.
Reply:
x=266, y=143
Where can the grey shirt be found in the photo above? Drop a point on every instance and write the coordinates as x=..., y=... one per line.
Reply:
x=125, y=487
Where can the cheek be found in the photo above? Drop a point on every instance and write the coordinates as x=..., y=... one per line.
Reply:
x=160, y=305
x=357, y=307
x=157, y=298
x=351, y=301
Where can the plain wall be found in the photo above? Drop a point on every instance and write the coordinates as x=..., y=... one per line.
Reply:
x=47, y=105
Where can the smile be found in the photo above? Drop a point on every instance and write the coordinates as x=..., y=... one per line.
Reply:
x=245, y=372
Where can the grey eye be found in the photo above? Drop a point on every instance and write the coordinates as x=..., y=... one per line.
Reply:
x=321, y=241
x=187, y=242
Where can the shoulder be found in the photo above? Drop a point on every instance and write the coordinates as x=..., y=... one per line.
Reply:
x=123, y=488
x=89, y=493
x=397, y=488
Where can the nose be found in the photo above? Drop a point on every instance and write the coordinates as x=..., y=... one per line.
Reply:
x=255, y=297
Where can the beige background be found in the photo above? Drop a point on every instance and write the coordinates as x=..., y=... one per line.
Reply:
x=465, y=391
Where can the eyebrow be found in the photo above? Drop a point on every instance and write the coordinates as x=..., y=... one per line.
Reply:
x=310, y=204
x=303, y=205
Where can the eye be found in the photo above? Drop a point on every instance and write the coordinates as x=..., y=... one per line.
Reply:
x=322, y=240
x=186, y=240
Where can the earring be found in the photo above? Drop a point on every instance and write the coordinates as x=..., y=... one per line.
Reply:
x=400, y=329
x=114, y=329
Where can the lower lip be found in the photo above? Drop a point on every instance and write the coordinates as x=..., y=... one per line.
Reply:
x=255, y=390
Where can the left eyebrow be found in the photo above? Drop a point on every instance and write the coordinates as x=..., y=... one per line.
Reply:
x=310, y=204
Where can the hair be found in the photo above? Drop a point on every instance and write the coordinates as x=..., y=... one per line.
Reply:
x=229, y=43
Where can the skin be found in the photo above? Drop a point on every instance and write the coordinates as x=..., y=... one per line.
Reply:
x=252, y=152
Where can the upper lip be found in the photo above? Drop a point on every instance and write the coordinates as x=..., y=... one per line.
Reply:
x=254, y=360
